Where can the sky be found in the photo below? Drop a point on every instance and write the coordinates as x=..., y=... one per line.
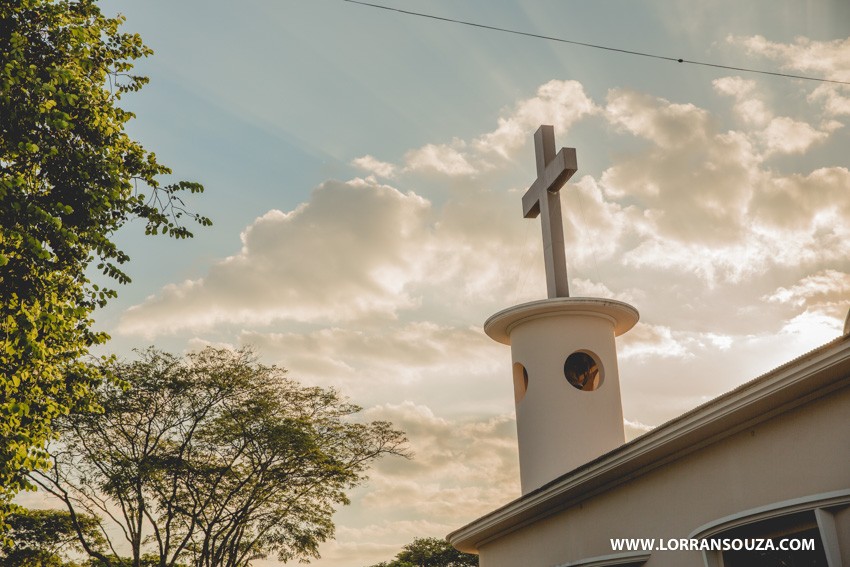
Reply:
x=364, y=172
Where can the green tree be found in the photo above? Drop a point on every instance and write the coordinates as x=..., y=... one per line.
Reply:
x=430, y=552
x=70, y=177
x=217, y=459
x=43, y=538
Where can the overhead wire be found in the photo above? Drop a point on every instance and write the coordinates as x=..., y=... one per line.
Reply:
x=597, y=46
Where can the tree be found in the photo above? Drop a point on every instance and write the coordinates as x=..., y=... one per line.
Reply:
x=70, y=177
x=42, y=538
x=215, y=459
x=431, y=552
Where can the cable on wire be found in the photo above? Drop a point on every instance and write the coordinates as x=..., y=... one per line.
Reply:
x=596, y=46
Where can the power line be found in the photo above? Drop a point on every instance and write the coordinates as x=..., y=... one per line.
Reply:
x=596, y=46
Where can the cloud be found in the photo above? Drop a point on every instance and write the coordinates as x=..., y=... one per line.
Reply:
x=691, y=181
x=417, y=359
x=819, y=304
x=806, y=203
x=357, y=251
x=787, y=136
x=651, y=341
x=462, y=468
x=588, y=288
x=441, y=158
x=705, y=202
x=826, y=59
x=834, y=101
x=375, y=166
x=831, y=58
x=559, y=103
x=750, y=109
x=775, y=134
x=597, y=228
x=827, y=286
x=636, y=428
x=816, y=324
x=664, y=123
x=348, y=253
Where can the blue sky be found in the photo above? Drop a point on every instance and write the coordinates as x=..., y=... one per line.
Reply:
x=364, y=171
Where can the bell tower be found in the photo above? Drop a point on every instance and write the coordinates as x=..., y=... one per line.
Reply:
x=564, y=359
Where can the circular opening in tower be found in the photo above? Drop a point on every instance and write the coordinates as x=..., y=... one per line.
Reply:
x=583, y=371
x=520, y=381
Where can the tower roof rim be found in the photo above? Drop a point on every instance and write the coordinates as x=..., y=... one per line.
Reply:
x=622, y=315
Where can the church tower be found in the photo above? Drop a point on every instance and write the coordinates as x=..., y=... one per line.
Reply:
x=566, y=383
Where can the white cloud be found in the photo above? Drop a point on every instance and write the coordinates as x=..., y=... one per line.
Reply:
x=666, y=124
x=827, y=286
x=587, y=288
x=748, y=107
x=830, y=58
x=819, y=303
x=806, y=203
x=461, y=468
x=692, y=182
x=441, y=158
x=817, y=326
x=651, y=341
x=411, y=359
x=824, y=59
x=636, y=428
x=706, y=201
x=559, y=103
x=781, y=134
x=788, y=136
x=835, y=101
x=722, y=342
x=348, y=253
x=375, y=166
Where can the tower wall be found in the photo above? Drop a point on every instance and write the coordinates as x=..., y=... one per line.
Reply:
x=560, y=426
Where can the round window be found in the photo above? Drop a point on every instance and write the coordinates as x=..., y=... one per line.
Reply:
x=520, y=381
x=583, y=371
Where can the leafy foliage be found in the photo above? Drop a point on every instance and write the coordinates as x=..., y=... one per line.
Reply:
x=43, y=538
x=69, y=178
x=431, y=552
x=220, y=459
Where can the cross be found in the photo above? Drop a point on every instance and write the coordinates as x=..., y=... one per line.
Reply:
x=553, y=170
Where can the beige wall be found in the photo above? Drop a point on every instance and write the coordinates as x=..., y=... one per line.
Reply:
x=799, y=453
x=559, y=427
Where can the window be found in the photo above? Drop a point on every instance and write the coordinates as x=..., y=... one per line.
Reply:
x=784, y=531
x=821, y=519
x=583, y=371
x=618, y=560
x=520, y=382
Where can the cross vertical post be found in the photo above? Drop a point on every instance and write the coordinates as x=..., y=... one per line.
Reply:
x=542, y=198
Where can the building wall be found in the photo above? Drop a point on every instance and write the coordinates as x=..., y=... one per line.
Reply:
x=796, y=454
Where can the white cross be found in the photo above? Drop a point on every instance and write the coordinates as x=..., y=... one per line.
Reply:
x=542, y=197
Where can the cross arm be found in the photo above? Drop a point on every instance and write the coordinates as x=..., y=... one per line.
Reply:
x=557, y=172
